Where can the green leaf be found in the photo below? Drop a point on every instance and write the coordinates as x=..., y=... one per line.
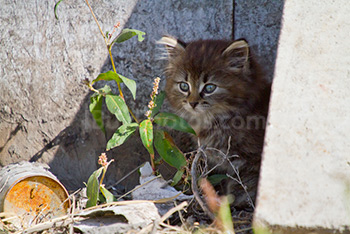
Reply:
x=108, y=76
x=173, y=121
x=55, y=9
x=158, y=102
x=130, y=84
x=225, y=216
x=101, y=199
x=111, y=75
x=92, y=188
x=177, y=177
x=216, y=178
x=128, y=33
x=121, y=135
x=96, y=110
x=167, y=149
x=146, y=134
x=261, y=230
x=105, y=90
x=117, y=106
x=107, y=194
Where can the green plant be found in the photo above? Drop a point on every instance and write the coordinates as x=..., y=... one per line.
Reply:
x=94, y=186
x=116, y=104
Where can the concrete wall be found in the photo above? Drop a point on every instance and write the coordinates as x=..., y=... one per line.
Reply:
x=305, y=175
x=44, y=108
x=186, y=20
x=259, y=22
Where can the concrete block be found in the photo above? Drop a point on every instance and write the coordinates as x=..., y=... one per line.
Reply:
x=305, y=174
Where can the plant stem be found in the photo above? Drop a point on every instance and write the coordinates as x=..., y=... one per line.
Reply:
x=133, y=116
x=104, y=170
x=109, y=48
x=93, y=15
x=103, y=175
x=93, y=89
x=112, y=61
x=152, y=163
x=119, y=88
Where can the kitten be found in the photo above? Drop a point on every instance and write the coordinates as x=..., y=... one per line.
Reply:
x=219, y=89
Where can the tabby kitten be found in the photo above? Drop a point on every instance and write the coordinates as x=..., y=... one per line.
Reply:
x=218, y=88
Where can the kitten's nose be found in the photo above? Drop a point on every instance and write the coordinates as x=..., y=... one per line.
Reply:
x=193, y=104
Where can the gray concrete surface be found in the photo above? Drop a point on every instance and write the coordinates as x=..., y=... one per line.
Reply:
x=186, y=20
x=44, y=113
x=305, y=175
x=259, y=22
x=43, y=106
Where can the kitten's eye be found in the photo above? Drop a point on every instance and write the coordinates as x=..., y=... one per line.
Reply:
x=184, y=86
x=209, y=88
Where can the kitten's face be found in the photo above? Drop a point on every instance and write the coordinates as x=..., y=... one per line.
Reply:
x=198, y=93
x=206, y=79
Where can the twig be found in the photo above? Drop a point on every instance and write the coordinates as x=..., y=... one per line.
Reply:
x=68, y=200
x=126, y=176
x=229, y=145
x=6, y=214
x=216, y=165
x=71, y=226
x=239, y=181
x=175, y=228
x=195, y=186
x=173, y=210
x=93, y=15
x=149, y=228
x=117, y=203
x=58, y=222
x=227, y=157
x=40, y=213
x=180, y=214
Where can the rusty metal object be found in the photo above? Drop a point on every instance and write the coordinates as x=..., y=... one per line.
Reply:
x=32, y=193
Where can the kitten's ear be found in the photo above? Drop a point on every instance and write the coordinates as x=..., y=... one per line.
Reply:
x=172, y=45
x=237, y=54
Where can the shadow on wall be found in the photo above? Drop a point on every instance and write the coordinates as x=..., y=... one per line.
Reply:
x=259, y=22
x=80, y=144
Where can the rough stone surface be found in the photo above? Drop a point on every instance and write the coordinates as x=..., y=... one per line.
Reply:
x=305, y=175
x=156, y=188
x=118, y=219
x=186, y=20
x=259, y=22
x=44, y=108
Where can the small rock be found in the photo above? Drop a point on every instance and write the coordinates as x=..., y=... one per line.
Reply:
x=118, y=219
x=157, y=189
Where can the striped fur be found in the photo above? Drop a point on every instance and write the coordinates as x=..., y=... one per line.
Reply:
x=236, y=109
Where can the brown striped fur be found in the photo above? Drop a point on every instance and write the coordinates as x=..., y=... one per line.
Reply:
x=235, y=110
